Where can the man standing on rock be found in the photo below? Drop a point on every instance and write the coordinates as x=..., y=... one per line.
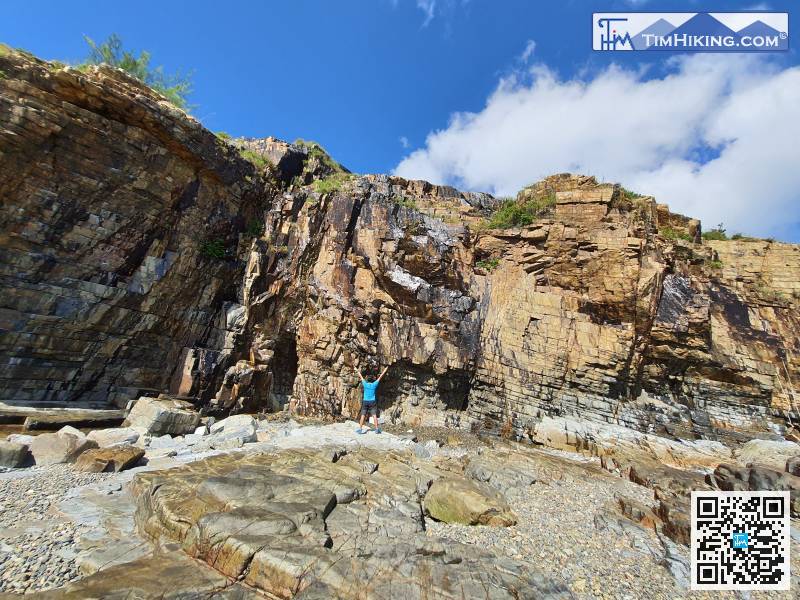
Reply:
x=369, y=404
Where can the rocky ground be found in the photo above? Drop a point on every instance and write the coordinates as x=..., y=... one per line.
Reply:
x=565, y=524
x=37, y=544
x=58, y=525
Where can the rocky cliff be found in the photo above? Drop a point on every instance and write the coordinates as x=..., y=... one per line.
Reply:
x=143, y=254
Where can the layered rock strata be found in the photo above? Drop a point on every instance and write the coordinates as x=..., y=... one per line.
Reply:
x=141, y=255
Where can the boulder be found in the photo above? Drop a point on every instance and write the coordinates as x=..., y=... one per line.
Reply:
x=768, y=453
x=160, y=416
x=232, y=432
x=163, y=441
x=458, y=500
x=793, y=466
x=116, y=436
x=758, y=478
x=231, y=423
x=21, y=438
x=13, y=454
x=61, y=447
x=72, y=431
x=114, y=458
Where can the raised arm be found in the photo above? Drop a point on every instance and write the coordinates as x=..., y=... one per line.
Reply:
x=383, y=373
x=360, y=376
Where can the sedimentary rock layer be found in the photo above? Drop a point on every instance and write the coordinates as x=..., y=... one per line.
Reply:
x=143, y=254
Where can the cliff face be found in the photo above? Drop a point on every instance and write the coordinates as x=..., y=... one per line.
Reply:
x=111, y=287
x=109, y=194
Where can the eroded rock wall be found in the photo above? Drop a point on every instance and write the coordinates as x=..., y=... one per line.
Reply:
x=587, y=312
x=607, y=307
x=108, y=195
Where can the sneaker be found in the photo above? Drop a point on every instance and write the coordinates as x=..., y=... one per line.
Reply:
x=360, y=431
x=378, y=430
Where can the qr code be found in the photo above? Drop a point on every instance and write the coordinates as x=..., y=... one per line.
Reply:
x=740, y=541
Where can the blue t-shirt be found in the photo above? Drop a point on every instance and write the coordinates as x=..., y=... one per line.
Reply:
x=369, y=390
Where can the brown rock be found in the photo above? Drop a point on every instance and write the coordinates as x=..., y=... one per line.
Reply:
x=163, y=416
x=116, y=458
x=458, y=500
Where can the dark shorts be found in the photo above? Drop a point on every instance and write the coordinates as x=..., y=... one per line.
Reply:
x=369, y=408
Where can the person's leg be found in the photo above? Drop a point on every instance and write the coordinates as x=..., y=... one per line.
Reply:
x=361, y=419
x=375, y=416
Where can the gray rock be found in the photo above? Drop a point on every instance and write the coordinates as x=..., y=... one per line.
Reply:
x=767, y=453
x=233, y=423
x=160, y=416
x=21, y=438
x=60, y=447
x=115, y=436
x=13, y=454
x=163, y=441
x=232, y=432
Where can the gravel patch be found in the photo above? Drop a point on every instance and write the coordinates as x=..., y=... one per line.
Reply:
x=37, y=545
x=558, y=533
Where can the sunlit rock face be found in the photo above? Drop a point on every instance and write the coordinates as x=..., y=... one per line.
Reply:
x=142, y=254
x=109, y=195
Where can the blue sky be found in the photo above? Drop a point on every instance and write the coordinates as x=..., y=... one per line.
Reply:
x=361, y=76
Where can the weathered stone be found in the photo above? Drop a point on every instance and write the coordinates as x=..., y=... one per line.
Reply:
x=13, y=454
x=117, y=436
x=166, y=575
x=124, y=286
x=116, y=458
x=20, y=438
x=52, y=419
x=161, y=416
x=232, y=432
x=758, y=478
x=768, y=453
x=61, y=447
x=458, y=500
x=297, y=524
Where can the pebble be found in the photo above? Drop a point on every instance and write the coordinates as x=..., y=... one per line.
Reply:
x=557, y=532
x=33, y=538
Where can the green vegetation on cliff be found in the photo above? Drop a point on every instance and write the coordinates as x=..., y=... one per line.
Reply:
x=518, y=213
x=718, y=233
x=175, y=88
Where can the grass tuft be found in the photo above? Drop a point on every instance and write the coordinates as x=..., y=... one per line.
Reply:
x=515, y=213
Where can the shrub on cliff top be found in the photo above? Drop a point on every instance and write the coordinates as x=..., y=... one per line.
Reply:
x=333, y=183
x=515, y=213
x=259, y=160
x=175, y=88
x=668, y=233
x=718, y=233
x=317, y=151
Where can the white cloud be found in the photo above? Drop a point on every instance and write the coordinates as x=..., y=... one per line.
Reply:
x=404, y=141
x=428, y=8
x=530, y=47
x=646, y=134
